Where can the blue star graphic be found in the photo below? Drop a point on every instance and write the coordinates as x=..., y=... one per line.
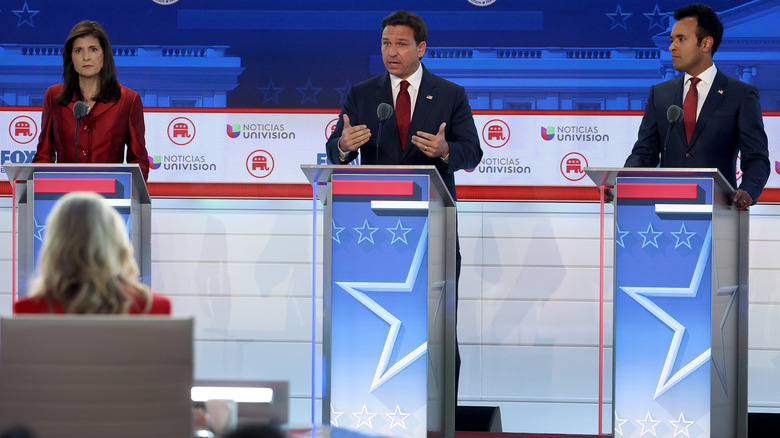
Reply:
x=641, y=294
x=308, y=93
x=343, y=92
x=25, y=15
x=337, y=231
x=399, y=233
x=650, y=236
x=39, y=230
x=366, y=232
x=683, y=237
x=656, y=18
x=618, y=18
x=270, y=92
x=619, y=235
x=384, y=372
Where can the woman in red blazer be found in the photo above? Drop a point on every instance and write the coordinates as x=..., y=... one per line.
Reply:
x=86, y=264
x=114, y=113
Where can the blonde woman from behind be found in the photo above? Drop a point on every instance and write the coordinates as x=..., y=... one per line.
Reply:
x=86, y=264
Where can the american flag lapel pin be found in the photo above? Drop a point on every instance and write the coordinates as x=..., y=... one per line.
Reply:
x=720, y=91
x=429, y=97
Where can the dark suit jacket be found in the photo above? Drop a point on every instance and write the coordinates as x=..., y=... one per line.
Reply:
x=438, y=100
x=103, y=132
x=729, y=123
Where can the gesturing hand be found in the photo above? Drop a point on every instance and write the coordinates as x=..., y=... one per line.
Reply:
x=432, y=145
x=352, y=137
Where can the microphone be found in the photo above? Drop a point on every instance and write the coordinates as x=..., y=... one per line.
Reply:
x=79, y=111
x=673, y=115
x=383, y=112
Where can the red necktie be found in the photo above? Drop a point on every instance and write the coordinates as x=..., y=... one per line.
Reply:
x=403, y=112
x=690, y=104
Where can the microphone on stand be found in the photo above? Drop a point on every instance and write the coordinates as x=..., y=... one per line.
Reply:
x=79, y=110
x=383, y=112
x=673, y=115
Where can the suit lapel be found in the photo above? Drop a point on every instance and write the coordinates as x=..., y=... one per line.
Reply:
x=677, y=99
x=384, y=94
x=717, y=93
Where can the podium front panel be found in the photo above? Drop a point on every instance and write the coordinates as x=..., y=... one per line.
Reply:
x=379, y=303
x=673, y=309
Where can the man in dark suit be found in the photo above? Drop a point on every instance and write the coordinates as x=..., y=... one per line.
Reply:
x=722, y=116
x=432, y=122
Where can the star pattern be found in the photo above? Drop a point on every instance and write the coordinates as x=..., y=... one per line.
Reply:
x=397, y=418
x=336, y=233
x=681, y=426
x=364, y=417
x=384, y=371
x=619, y=235
x=683, y=237
x=641, y=294
x=308, y=93
x=366, y=232
x=618, y=18
x=334, y=416
x=619, y=422
x=650, y=236
x=720, y=363
x=648, y=425
x=39, y=230
x=343, y=92
x=656, y=18
x=399, y=233
x=271, y=92
x=25, y=15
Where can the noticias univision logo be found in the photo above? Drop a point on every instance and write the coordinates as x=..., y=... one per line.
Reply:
x=233, y=130
x=548, y=132
x=154, y=161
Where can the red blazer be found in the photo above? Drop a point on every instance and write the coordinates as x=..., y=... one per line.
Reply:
x=103, y=132
x=161, y=305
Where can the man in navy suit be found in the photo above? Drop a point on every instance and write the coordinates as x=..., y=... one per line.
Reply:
x=432, y=122
x=722, y=115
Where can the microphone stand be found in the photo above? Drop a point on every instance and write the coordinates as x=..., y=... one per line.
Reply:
x=666, y=141
x=378, y=136
x=76, y=142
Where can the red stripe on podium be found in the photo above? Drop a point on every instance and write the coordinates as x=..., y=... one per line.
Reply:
x=657, y=191
x=67, y=185
x=372, y=188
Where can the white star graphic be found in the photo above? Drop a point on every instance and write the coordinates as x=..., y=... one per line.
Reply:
x=39, y=230
x=399, y=233
x=619, y=422
x=364, y=417
x=397, y=418
x=356, y=289
x=683, y=237
x=366, y=232
x=619, y=235
x=648, y=428
x=650, y=236
x=337, y=231
x=640, y=294
x=334, y=416
x=618, y=18
x=681, y=428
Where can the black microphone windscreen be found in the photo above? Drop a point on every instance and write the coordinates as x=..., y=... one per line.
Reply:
x=674, y=114
x=80, y=110
x=384, y=111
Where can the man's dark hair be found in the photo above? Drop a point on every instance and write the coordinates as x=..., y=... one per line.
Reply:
x=708, y=23
x=403, y=18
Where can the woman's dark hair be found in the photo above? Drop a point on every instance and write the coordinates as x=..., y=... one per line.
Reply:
x=109, y=85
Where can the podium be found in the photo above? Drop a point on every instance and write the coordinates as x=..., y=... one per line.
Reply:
x=389, y=239
x=37, y=187
x=680, y=303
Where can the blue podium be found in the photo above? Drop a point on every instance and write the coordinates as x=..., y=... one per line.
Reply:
x=388, y=299
x=681, y=303
x=37, y=187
